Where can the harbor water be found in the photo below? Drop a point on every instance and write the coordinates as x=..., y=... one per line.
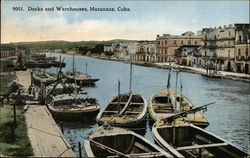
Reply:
x=228, y=117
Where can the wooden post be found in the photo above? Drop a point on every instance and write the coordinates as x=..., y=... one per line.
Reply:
x=80, y=149
x=14, y=111
x=43, y=93
x=61, y=125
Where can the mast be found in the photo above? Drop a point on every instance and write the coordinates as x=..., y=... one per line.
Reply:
x=73, y=63
x=119, y=107
x=86, y=68
x=181, y=93
x=176, y=84
x=130, y=77
x=168, y=86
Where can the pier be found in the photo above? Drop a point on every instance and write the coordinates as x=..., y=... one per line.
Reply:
x=45, y=136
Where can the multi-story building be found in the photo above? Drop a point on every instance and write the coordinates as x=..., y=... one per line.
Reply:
x=167, y=45
x=145, y=51
x=242, y=47
x=218, y=49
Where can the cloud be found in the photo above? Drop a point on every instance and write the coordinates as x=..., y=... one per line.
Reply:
x=56, y=28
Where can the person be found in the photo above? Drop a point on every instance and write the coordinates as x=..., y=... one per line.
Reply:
x=29, y=89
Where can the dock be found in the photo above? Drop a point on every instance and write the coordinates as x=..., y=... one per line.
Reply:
x=45, y=136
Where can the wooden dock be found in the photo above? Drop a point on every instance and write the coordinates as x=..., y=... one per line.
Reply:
x=45, y=136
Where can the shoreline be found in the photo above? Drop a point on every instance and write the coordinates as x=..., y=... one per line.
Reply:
x=223, y=74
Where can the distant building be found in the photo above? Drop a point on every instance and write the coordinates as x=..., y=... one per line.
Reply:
x=242, y=47
x=144, y=51
x=167, y=45
x=188, y=56
x=11, y=50
x=218, y=49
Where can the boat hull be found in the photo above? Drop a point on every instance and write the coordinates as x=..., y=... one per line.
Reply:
x=198, y=119
x=189, y=141
x=68, y=115
x=121, y=142
x=139, y=122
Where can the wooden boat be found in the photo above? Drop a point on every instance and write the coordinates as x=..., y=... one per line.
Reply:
x=166, y=103
x=191, y=141
x=79, y=77
x=45, y=77
x=125, y=110
x=110, y=142
x=73, y=108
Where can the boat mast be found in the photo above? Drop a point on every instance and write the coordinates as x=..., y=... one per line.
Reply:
x=130, y=77
x=176, y=84
x=86, y=68
x=119, y=108
x=73, y=63
x=181, y=94
x=168, y=86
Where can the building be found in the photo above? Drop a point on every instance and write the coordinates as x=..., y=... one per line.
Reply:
x=242, y=47
x=145, y=51
x=188, y=56
x=167, y=45
x=218, y=49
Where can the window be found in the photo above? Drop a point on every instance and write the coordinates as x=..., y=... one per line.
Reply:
x=174, y=42
x=229, y=33
x=181, y=41
x=159, y=43
x=189, y=42
x=205, y=53
x=246, y=52
x=165, y=42
x=162, y=43
x=195, y=42
x=205, y=37
x=240, y=38
x=239, y=53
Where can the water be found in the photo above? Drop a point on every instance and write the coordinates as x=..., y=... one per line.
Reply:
x=228, y=118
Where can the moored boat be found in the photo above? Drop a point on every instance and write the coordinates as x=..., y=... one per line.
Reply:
x=44, y=77
x=107, y=141
x=73, y=108
x=79, y=77
x=187, y=140
x=167, y=103
x=125, y=110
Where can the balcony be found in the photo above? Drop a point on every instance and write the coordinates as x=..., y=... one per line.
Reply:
x=241, y=42
x=210, y=47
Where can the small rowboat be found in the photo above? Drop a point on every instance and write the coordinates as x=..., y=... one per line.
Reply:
x=80, y=78
x=44, y=77
x=187, y=140
x=71, y=108
x=167, y=103
x=110, y=142
x=125, y=110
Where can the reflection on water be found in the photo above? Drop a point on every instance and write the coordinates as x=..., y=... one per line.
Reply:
x=229, y=117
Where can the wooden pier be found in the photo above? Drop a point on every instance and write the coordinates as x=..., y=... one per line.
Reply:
x=44, y=134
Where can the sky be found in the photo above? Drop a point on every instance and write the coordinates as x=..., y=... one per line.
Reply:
x=145, y=20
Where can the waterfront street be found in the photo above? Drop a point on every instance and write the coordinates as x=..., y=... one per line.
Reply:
x=228, y=118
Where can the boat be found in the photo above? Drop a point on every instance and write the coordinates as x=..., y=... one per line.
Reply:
x=125, y=110
x=166, y=103
x=107, y=141
x=188, y=140
x=72, y=107
x=81, y=78
x=44, y=77
x=162, y=105
x=62, y=88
